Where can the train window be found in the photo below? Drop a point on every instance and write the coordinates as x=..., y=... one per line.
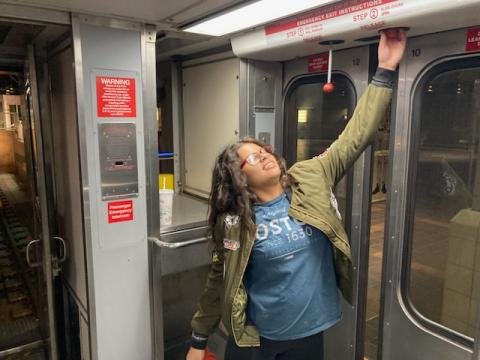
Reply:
x=314, y=119
x=444, y=270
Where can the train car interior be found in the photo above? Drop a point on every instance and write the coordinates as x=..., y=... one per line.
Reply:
x=311, y=120
x=112, y=115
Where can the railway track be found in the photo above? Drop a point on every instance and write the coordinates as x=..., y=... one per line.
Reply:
x=20, y=336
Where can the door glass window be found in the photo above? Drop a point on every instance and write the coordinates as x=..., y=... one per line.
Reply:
x=444, y=269
x=315, y=119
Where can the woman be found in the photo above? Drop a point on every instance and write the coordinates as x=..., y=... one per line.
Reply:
x=279, y=247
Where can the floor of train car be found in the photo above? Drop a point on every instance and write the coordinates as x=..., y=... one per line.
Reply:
x=18, y=322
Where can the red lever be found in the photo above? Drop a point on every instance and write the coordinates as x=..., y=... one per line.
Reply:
x=328, y=87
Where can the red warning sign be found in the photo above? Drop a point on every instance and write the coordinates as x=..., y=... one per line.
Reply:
x=120, y=211
x=318, y=63
x=116, y=97
x=473, y=39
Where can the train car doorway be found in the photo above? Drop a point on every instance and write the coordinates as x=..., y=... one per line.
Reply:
x=313, y=120
x=29, y=257
x=432, y=249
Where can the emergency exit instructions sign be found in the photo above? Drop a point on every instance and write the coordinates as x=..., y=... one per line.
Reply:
x=116, y=97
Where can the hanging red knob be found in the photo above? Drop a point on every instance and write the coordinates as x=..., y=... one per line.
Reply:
x=328, y=87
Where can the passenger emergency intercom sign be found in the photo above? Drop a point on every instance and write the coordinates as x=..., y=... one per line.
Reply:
x=116, y=97
x=120, y=211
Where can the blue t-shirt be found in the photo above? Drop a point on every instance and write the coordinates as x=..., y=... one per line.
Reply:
x=290, y=278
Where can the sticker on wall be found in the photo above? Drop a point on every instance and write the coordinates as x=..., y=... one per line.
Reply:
x=116, y=97
x=318, y=63
x=119, y=211
x=473, y=39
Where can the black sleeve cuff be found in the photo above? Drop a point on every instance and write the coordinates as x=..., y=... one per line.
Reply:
x=384, y=78
x=199, y=341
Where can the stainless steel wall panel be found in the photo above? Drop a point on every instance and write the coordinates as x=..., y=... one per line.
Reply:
x=117, y=253
x=177, y=119
x=151, y=170
x=264, y=95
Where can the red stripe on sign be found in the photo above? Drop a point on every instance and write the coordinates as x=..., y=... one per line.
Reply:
x=473, y=39
x=120, y=211
x=330, y=12
x=273, y=29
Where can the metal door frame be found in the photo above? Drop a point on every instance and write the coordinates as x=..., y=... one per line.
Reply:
x=345, y=341
x=405, y=333
x=42, y=193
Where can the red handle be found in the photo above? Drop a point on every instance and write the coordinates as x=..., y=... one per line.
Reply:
x=209, y=355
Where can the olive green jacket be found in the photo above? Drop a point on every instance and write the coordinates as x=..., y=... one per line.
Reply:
x=312, y=202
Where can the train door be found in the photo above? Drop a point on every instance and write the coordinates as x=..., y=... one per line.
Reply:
x=431, y=276
x=27, y=326
x=313, y=120
x=43, y=264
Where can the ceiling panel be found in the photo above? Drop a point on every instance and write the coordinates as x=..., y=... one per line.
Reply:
x=18, y=35
x=201, y=9
x=151, y=11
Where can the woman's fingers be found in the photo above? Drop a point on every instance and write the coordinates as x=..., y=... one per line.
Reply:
x=391, y=47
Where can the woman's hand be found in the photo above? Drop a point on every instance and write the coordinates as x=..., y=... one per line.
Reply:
x=391, y=48
x=195, y=354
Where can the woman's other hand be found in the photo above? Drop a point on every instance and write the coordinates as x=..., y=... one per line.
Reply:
x=391, y=48
x=195, y=354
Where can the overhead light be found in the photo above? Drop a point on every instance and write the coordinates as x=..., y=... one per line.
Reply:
x=257, y=13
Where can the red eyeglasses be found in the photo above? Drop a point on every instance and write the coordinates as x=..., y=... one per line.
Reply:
x=255, y=157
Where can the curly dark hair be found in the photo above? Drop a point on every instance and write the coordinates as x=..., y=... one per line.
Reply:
x=229, y=192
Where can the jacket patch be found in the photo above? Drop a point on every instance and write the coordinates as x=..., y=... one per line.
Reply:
x=334, y=203
x=216, y=257
x=231, y=221
x=231, y=244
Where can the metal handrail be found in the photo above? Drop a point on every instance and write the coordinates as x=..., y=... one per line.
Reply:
x=30, y=263
x=176, y=245
x=63, y=252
